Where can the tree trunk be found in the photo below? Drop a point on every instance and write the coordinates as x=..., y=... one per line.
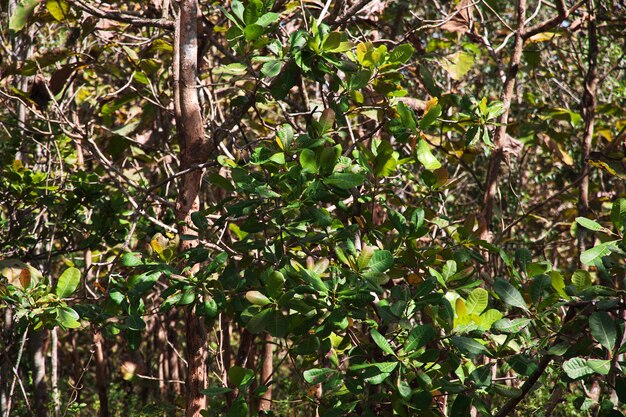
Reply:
x=267, y=370
x=499, y=137
x=194, y=150
x=588, y=111
x=38, y=360
x=101, y=374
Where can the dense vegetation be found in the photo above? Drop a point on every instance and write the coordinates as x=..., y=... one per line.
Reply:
x=301, y=208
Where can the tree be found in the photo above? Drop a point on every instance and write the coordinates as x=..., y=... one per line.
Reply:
x=347, y=208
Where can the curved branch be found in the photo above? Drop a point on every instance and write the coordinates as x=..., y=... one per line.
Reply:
x=122, y=17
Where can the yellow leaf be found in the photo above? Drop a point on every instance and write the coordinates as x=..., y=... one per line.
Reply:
x=542, y=37
x=430, y=104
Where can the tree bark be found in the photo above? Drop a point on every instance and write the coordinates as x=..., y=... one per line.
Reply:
x=267, y=370
x=40, y=385
x=588, y=110
x=499, y=137
x=101, y=374
x=195, y=149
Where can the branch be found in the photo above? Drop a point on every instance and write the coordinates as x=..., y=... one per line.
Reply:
x=563, y=13
x=350, y=13
x=512, y=403
x=122, y=17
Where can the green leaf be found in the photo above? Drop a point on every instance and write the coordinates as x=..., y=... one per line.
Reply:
x=327, y=120
x=461, y=406
x=401, y=54
x=509, y=294
x=558, y=283
x=59, y=9
x=68, y=282
x=603, y=329
x=589, y=224
x=430, y=117
x=382, y=342
x=418, y=337
x=239, y=376
x=253, y=32
x=360, y=79
x=275, y=284
x=577, y=368
x=345, y=181
x=468, y=345
x=308, y=160
x=407, y=116
x=381, y=261
x=618, y=213
x=375, y=373
x=477, y=301
x=425, y=156
x=239, y=408
x=267, y=19
x=581, y=279
x=21, y=14
x=510, y=326
x=599, y=366
x=257, y=298
x=259, y=321
x=271, y=68
x=231, y=69
x=67, y=318
x=135, y=322
x=458, y=64
x=318, y=375
x=215, y=391
x=595, y=254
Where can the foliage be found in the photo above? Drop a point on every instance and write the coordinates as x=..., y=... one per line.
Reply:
x=339, y=220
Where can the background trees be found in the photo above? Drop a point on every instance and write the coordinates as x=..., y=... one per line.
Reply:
x=306, y=208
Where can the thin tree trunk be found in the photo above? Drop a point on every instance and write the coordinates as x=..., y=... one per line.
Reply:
x=54, y=372
x=588, y=112
x=267, y=370
x=40, y=385
x=499, y=137
x=101, y=374
x=194, y=150
x=5, y=367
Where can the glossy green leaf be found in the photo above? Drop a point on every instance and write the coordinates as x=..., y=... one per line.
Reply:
x=401, y=53
x=345, y=180
x=419, y=337
x=603, y=329
x=308, y=160
x=67, y=318
x=581, y=279
x=577, y=368
x=318, y=375
x=382, y=342
x=509, y=294
x=594, y=255
x=477, y=301
x=259, y=321
x=68, y=282
x=510, y=325
x=425, y=156
x=239, y=376
x=253, y=32
x=589, y=224
x=382, y=260
x=468, y=345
